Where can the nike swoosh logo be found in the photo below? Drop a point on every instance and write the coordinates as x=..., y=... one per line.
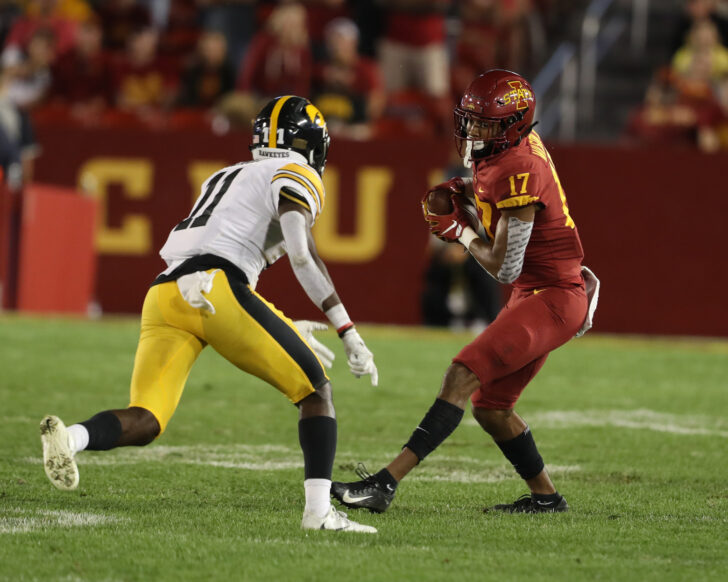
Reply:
x=449, y=228
x=346, y=498
x=544, y=502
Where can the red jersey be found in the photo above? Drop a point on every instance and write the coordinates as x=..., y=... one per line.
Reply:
x=526, y=175
x=270, y=68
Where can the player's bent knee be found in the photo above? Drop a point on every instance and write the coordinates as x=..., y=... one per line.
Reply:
x=492, y=421
x=319, y=403
x=458, y=384
x=139, y=426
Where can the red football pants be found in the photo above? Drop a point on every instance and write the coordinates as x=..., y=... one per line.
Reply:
x=512, y=349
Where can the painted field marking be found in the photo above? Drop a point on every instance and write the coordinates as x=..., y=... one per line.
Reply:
x=271, y=457
x=266, y=457
x=640, y=419
x=18, y=419
x=331, y=541
x=494, y=475
x=14, y=520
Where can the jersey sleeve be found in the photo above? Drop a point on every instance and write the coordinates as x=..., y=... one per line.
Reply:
x=301, y=184
x=517, y=185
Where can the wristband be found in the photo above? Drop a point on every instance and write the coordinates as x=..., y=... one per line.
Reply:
x=344, y=328
x=468, y=236
x=338, y=316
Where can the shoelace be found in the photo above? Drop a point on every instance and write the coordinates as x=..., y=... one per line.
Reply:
x=363, y=474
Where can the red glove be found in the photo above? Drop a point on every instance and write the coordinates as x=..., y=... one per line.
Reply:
x=449, y=227
x=455, y=185
x=442, y=193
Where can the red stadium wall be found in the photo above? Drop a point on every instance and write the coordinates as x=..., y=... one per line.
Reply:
x=655, y=254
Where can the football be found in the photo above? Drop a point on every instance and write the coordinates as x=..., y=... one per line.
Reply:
x=438, y=201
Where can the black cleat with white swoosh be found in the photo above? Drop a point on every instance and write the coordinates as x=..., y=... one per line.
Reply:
x=527, y=504
x=368, y=493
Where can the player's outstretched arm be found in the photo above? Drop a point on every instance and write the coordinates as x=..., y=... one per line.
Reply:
x=313, y=276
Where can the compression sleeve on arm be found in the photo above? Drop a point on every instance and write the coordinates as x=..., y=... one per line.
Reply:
x=314, y=282
x=519, y=233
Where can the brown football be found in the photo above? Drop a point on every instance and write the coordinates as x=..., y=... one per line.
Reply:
x=438, y=201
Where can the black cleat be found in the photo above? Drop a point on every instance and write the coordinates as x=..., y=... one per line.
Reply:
x=368, y=493
x=526, y=504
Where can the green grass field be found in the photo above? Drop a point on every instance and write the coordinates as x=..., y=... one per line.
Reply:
x=634, y=432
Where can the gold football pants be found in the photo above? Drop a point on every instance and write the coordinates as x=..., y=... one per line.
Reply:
x=245, y=329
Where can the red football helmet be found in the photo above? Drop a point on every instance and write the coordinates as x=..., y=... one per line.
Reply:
x=495, y=113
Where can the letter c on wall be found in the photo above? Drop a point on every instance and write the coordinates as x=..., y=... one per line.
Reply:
x=134, y=237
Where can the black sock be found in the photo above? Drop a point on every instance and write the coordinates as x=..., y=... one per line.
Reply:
x=317, y=435
x=385, y=479
x=104, y=431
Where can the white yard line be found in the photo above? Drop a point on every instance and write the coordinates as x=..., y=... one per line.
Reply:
x=495, y=475
x=457, y=468
x=15, y=520
x=266, y=457
x=264, y=466
x=641, y=419
x=19, y=420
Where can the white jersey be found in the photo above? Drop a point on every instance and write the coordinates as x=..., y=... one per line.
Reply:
x=236, y=215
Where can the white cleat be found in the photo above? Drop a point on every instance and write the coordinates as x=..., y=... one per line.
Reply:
x=336, y=521
x=58, y=459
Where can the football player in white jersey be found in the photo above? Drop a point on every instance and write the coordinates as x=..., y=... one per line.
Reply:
x=246, y=217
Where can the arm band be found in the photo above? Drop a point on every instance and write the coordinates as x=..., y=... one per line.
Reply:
x=468, y=236
x=339, y=318
x=313, y=281
x=519, y=233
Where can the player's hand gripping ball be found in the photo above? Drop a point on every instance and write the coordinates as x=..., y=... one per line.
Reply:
x=446, y=212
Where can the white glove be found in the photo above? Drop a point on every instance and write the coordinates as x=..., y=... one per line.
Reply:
x=193, y=286
x=306, y=329
x=361, y=360
x=592, y=293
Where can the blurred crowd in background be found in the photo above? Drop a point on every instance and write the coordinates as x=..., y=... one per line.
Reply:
x=375, y=68
x=687, y=99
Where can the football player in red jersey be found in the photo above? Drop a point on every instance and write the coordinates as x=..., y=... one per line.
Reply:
x=532, y=243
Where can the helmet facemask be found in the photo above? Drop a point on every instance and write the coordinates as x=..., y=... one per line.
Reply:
x=479, y=137
x=317, y=154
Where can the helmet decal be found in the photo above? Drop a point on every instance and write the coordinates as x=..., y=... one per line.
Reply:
x=518, y=94
x=274, y=120
x=315, y=115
